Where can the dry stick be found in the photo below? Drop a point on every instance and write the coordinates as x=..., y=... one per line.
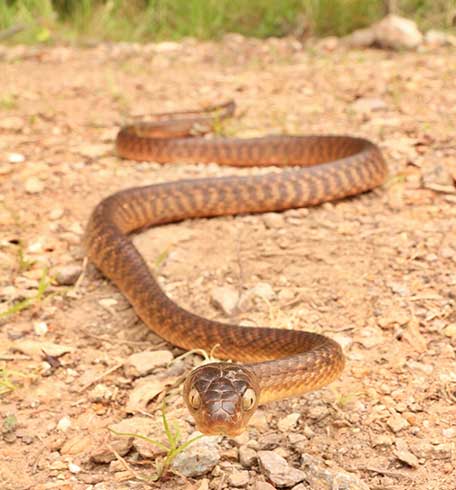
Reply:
x=11, y=31
x=101, y=376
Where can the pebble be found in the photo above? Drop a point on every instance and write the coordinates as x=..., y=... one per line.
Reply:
x=368, y=104
x=56, y=214
x=259, y=421
x=34, y=185
x=238, y=478
x=263, y=290
x=262, y=485
x=40, y=328
x=450, y=330
x=444, y=451
x=101, y=393
x=403, y=454
x=143, y=363
x=273, y=220
x=16, y=158
x=199, y=458
x=67, y=275
x=74, y=468
x=396, y=423
x=145, y=426
x=247, y=456
x=64, y=424
x=276, y=469
x=225, y=298
x=318, y=476
x=288, y=422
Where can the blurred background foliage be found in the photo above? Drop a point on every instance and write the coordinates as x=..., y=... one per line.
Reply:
x=155, y=20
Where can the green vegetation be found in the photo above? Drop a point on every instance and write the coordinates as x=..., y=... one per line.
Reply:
x=172, y=449
x=152, y=20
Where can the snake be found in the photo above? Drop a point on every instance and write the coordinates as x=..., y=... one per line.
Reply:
x=256, y=365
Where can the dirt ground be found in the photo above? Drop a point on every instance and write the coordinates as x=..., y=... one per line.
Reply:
x=376, y=272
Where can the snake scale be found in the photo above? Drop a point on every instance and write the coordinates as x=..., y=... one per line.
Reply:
x=271, y=363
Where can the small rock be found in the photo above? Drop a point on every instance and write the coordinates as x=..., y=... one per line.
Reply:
x=34, y=185
x=361, y=38
x=288, y=422
x=144, y=426
x=74, y=468
x=225, y=298
x=247, y=456
x=318, y=476
x=101, y=393
x=107, y=302
x=276, y=469
x=95, y=151
x=273, y=220
x=145, y=391
x=450, y=330
x=403, y=454
x=439, y=38
x=383, y=440
x=67, y=275
x=443, y=451
x=394, y=32
x=238, y=478
x=16, y=158
x=263, y=290
x=13, y=123
x=40, y=328
x=396, y=423
x=262, y=485
x=56, y=214
x=64, y=424
x=143, y=363
x=365, y=105
x=259, y=421
x=449, y=433
x=199, y=458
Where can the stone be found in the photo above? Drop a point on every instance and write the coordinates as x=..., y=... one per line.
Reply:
x=199, y=458
x=143, y=363
x=34, y=185
x=276, y=469
x=396, y=423
x=318, y=476
x=365, y=105
x=437, y=39
x=404, y=455
x=361, y=38
x=247, y=456
x=273, y=220
x=225, y=298
x=238, y=478
x=262, y=485
x=288, y=422
x=263, y=290
x=67, y=275
x=397, y=33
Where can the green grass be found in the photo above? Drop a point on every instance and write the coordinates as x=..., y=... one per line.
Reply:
x=153, y=20
x=173, y=448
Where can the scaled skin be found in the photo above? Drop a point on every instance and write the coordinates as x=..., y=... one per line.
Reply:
x=224, y=397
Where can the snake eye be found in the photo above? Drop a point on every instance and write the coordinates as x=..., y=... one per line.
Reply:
x=248, y=399
x=194, y=398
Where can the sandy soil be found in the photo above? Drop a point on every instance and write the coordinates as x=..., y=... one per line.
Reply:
x=377, y=272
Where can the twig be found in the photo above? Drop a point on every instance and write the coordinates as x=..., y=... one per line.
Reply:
x=125, y=464
x=101, y=376
x=11, y=31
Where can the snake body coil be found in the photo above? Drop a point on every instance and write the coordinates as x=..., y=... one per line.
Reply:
x=273, y=363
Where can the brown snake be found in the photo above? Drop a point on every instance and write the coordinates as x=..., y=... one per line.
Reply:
x=274, y=363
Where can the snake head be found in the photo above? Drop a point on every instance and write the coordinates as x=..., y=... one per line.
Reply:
x=222, y=397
